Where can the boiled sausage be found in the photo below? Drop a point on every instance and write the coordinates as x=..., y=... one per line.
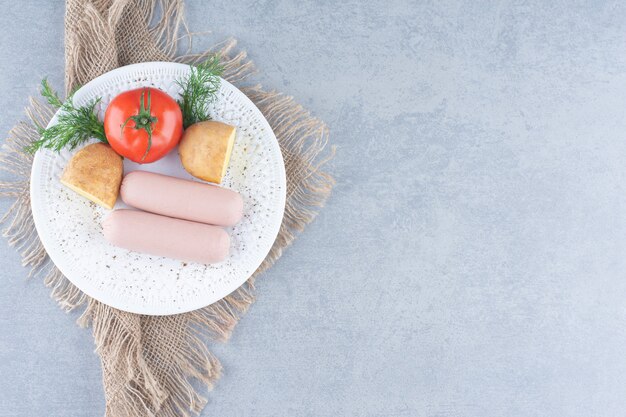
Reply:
x=164, y=236
x=182, y=199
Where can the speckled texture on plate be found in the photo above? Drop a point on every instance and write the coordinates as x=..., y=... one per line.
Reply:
x=70, y=226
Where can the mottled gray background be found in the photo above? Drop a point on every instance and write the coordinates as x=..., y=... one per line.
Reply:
x=471, y=259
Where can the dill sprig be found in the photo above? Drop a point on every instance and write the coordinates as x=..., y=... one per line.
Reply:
x=199, y=90
x=74, y=126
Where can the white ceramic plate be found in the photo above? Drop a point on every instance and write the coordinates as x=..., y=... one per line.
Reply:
x=70, y=226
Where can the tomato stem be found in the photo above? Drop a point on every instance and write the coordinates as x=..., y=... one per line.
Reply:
x=143, y=120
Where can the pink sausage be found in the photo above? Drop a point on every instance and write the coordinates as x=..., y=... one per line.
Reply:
x=182, y=199
x=163, y=236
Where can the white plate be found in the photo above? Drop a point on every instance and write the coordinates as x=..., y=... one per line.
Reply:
x=70, y=226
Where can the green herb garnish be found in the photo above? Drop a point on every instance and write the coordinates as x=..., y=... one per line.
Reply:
x=74, y=126
x=199, y=90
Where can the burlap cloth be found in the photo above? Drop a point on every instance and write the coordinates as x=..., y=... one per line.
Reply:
x=151, y=365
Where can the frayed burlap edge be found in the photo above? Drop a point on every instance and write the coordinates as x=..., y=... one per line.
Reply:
x=149, y=363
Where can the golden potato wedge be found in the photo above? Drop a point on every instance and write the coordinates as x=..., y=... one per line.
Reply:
x=205, y=149
x=95, y=172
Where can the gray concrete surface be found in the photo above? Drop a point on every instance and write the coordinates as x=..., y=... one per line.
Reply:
x=471, y=260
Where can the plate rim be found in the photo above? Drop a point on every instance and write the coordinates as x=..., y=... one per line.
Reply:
x=36, y=199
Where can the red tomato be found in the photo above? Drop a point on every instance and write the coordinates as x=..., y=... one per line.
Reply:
x=143, y=125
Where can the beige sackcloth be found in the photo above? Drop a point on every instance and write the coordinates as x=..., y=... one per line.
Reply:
x=149, y=364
